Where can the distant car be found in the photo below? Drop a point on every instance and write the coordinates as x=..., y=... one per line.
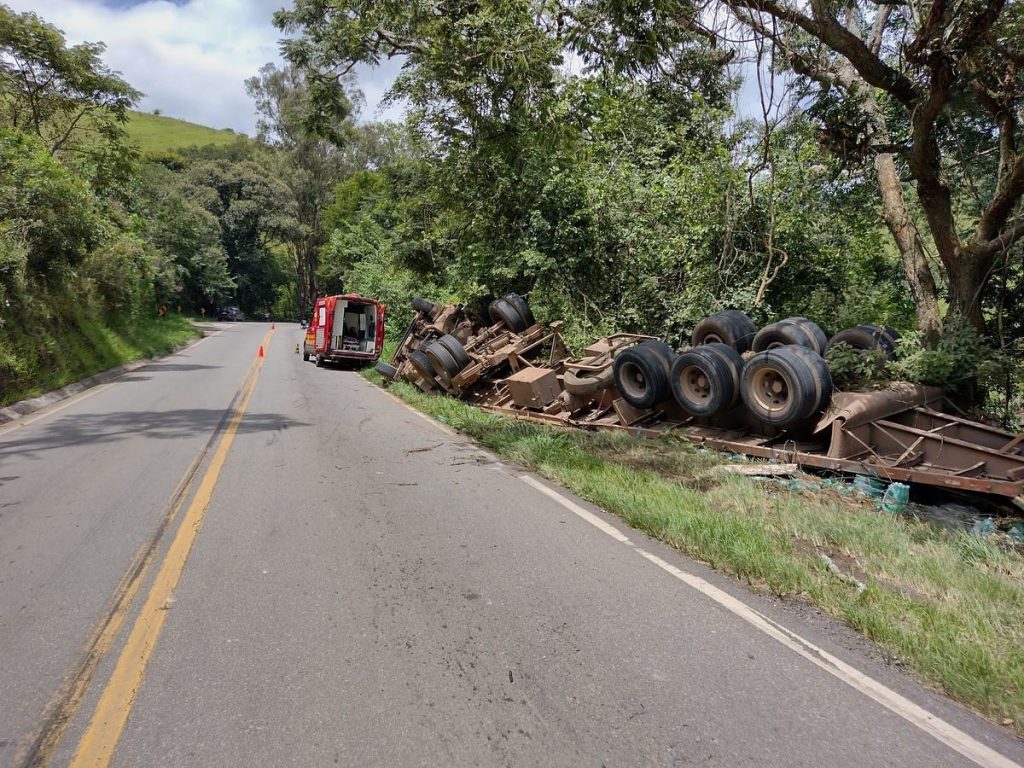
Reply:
x=229, y=314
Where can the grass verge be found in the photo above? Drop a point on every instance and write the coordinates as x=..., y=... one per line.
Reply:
x=949, y=606
x=46, y=357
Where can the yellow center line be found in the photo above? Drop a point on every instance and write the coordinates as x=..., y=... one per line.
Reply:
x=99, y=742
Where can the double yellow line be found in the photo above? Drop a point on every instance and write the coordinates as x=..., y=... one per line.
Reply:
x=99, y=742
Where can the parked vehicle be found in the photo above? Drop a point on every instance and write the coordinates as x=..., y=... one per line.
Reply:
x=348, y=327
x=229, y=314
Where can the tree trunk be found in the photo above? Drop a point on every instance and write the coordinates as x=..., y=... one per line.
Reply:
x=908, y=242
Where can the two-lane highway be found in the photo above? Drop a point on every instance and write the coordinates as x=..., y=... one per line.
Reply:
x=341, y=581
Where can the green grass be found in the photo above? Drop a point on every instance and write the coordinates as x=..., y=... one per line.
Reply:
x=70, y=348
x=155, y=133
x=947, y=605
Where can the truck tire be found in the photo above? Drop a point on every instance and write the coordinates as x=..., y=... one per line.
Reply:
x=386, y=370
x=507, y=315
x=792, y=330
x=730, y=327
x=639, y=374
x=421, y=363
x=422, y=305
x=305, y=356
x=665, y=353
x=454, y=346
x=520, y=306
x=706, y=379
x=589, y=384
x=442, y=362
x=865, y=337
x=319, y=361
x=785, y=385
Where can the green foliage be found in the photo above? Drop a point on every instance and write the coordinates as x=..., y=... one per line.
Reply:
x=855, y=368
x=66, y=97
x=954, y=362
x=44, y=205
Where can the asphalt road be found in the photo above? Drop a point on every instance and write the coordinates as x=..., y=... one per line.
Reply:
x=363, y=588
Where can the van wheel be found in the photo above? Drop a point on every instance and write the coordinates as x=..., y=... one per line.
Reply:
x=784, y=385
x=319, y=361
x=305, y=357
x=640, y=376
x=706, y=379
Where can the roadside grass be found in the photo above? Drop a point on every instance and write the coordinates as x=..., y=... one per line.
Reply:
x=72, y=347
x=949, y=606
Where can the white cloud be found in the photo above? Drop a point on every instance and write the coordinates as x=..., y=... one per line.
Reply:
x=191, y=60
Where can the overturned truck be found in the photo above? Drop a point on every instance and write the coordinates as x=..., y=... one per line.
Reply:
x=765, y=393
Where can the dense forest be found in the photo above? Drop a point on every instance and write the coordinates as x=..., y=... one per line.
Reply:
x=591, y=154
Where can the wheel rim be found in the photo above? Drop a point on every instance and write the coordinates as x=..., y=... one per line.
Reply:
x=634, y=383
x=695, y=384
x=713, y=338
x=770, y=390
x=776, y=344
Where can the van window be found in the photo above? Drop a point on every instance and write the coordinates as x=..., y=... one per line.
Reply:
x=322, y=319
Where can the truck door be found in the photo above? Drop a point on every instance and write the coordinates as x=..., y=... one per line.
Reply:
x=379, y=348
x=321, y=325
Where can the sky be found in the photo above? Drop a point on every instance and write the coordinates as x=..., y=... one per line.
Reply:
x=191, y=57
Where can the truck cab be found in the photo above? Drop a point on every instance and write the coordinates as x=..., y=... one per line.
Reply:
x=347, y=327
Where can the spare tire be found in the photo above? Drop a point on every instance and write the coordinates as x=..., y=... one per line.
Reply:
x=865, y=337
x=589, y=384
x=706, y=379
x=454, y=346
x=422, y=305
x=507, y=315
x=730, y=327
x=386, y=370
x=520, y=305
x=793, y=330
x=418, y=360
x=785, y=385
x=639, y=374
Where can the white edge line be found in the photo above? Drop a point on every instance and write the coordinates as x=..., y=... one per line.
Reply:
x=931, y=724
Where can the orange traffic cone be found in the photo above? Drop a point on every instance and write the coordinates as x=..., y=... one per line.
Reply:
x=261, y=351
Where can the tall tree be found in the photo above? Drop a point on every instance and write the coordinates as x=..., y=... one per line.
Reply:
x=65, y=95
x=926, y=91
x=307, y=119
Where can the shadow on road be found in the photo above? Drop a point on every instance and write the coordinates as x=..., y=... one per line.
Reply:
x=97, y=429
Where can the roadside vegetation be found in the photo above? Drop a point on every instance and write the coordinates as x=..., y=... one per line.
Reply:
x=946, y=605
x=72, y=344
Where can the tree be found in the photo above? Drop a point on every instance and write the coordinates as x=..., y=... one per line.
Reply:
x=254, y=211
x=60, y=94
x=926, y=91
x=306, y=120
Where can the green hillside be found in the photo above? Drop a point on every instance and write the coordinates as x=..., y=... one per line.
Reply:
x=157, y=132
